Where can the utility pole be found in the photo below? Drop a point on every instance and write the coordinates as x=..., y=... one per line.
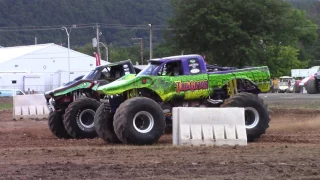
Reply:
x=107, y=53
x=141, y=48
x=98, y=44
x=68, y=34
x=150, y=28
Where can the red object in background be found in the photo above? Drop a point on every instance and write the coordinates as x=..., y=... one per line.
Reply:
x=144, y=81
x=97, y=59
x=304, y=81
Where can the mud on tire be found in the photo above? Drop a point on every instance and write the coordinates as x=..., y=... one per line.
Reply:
x=79, y=118
x=103, y=122
x=56, y=126
x=312, y=87
x=139, y=121
x=256, y=113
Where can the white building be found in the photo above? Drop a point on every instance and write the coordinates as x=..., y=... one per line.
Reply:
x=46, y=66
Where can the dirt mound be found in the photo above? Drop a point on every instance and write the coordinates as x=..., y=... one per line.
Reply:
x=294, y=119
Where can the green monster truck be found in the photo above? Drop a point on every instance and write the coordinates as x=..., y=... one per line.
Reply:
x=137, y=108
x=72, y=106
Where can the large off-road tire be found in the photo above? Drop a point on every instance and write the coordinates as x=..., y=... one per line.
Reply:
x=103, y=122
x=312, y=86
x=139, y=121
x=167, y=111
x=79, y=118
x=256, y=113
x=56, y=126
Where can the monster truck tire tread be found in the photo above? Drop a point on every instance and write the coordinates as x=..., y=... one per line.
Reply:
x=55, y=123
x=123, y=121
x=251, y=100
x=103, y=123
x=70, y=117
x=312, y=87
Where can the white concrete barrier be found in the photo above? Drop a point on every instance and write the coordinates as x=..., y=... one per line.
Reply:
x=30, y=106
x=208, y=126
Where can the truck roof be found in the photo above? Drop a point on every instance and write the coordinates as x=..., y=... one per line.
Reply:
x=182, y=57
x=114, y=64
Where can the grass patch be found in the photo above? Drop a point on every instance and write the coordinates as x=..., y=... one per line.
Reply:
x=6, y=106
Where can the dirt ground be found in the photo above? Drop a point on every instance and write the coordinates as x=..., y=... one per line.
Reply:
x=289, y=150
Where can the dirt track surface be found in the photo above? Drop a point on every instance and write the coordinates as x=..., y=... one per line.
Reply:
x=292, y=100
x=289, y=150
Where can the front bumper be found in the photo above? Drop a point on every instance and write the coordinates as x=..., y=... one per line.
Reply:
x=51, y=104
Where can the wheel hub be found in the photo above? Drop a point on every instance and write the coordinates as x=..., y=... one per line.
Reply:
x=143, y=122
x=86, y=118
x=251, y=117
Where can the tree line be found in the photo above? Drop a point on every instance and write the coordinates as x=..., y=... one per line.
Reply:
x=282, y=34
x=273, y=33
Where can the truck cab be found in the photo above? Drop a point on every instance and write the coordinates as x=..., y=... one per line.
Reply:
x=181, y=65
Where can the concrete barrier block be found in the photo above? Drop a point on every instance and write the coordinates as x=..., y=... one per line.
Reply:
x=40, y=110
x=18, y=110
x=208, y=126
x=32, y=110
x=46, y=110
x=30, y=106
x=25, y=110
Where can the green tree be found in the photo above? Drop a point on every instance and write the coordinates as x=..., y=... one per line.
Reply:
x=239, y=32
x=86, y=49
x=282, y=57
x=123, y=53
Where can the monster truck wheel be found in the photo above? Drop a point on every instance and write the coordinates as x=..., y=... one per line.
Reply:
x=139, y=121
x=56, y=126
x=256, y=113
x=167, y=111
x=79, y=118
x=311, y=86
x=103, y=122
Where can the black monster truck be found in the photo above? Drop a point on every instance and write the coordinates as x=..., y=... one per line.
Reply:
x=72, y=106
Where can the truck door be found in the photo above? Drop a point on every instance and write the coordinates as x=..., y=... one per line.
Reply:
x=194, y=82
x=185, y=80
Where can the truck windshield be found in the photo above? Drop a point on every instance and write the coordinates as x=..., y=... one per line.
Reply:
x=149, y=69
x=90, y=75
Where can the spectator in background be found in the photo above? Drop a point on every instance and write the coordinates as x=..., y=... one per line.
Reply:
x=289, y=83
x=275, y=85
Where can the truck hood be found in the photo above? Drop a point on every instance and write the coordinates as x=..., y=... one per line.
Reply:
x=127, y=82
x=67, y=88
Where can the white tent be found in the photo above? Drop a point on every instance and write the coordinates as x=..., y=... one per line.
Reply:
x=44, y=58
x=49, y=61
